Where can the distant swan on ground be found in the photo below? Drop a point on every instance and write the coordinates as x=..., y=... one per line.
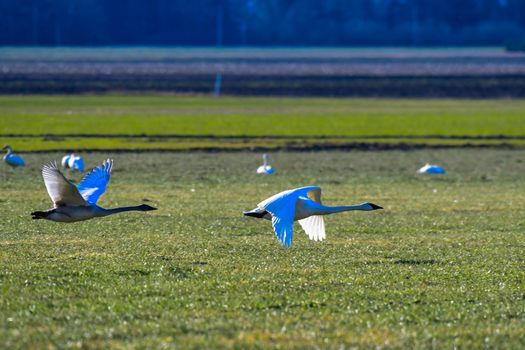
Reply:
x=76, y=163
x=73, y=162
x=11, y=158
x=65, y=161
x=431, y=169
x=265, y=168
x=301, y=204
x=76, y=203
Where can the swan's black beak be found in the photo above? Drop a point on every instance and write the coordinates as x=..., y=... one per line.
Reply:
x=375, y=207
x=256, y=213
x=145, y=207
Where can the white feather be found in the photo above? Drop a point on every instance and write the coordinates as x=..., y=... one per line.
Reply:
x=60, y=189
x=314, y=227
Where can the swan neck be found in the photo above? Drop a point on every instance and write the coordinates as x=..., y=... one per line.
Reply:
x=341, y=208
x=110, y=211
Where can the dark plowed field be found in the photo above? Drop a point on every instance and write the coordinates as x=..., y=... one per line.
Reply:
x=472, y=73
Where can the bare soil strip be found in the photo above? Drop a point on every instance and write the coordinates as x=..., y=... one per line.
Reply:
x=351, y=146
x=436, y=86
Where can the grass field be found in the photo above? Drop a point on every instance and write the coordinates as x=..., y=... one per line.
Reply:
x=189, y=122
x=441, y=267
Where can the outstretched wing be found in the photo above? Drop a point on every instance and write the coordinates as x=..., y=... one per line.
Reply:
x=315, y=194
x=60, y=189
x=93, y=185
x=282, y=208
x=283, y=225
x=314, y=227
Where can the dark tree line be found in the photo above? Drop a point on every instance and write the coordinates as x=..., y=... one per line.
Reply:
x=261, y=22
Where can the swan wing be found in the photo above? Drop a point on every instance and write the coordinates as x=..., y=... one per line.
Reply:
x=314, y=227
x=282, y=207
x=315, y=194
x=60, y=189
x=93, y=185
x=287, y=197
x=283, y=225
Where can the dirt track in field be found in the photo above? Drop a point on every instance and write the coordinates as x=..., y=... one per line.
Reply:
x=312, y=148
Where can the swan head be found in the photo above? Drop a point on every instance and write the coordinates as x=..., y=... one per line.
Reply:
x=371, y=206
x=256, y=213
x=145, y=207
x=7, y=147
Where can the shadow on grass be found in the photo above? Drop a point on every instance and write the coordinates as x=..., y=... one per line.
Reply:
x=415, y=262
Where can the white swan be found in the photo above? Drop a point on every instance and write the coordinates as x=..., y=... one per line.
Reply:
x=73, y=162
x=76, y=163
x=304, y=205
x=76, y=203
x=65, y=161
x=265, y=168
x=11, y=158
x=431, y=169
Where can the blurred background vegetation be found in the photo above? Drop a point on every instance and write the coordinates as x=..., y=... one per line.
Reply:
x=263, y=22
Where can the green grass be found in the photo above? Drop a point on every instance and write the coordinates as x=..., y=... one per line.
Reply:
x=348, y=119
x=441, y=267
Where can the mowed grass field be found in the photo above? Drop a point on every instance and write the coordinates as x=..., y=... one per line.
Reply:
x=442, y=266
x=137, y=122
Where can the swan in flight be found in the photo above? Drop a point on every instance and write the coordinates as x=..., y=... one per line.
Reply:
x=431, y=169
x=304, y=205
x=11, y=158
x=265, y=168
x=76, y=203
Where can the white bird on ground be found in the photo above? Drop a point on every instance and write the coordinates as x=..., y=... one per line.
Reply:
x=76, y=203
x=65, y=161
x=431, y=169
x=11, y=158
x=76, y=163
x=304, y=205
x=73, y=162
x=265, y=168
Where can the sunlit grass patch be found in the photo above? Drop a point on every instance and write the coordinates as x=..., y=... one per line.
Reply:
x=440, y=266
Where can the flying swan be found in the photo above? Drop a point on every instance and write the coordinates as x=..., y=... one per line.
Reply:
x=304, y=205
x=76, y=203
